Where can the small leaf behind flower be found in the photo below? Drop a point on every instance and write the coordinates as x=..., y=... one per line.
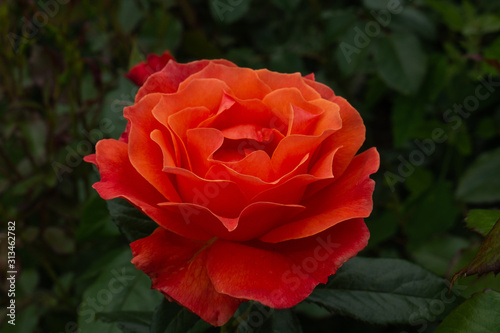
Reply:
x=128, y=321
x=487, y=258
x=482, y=220
x=385, y=291
x=133, y=224
x=478, y=314
x=169, y=317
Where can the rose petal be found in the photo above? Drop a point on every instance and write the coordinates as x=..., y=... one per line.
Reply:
x=310, y=76
x=251, y=185
x=257, y=163
x=244, y=82
x=169, y=158
x=188, y=118
x=200, y=93
x=279, y=80
x=124, y=135
x=289, y=192
x=322, y=89
x=119, y=179
x=254, y=221
x=258, y=218
x=145, y=156
x=168, y=79
x=140, y=72
x=351, y=136
x=292, y=149
x=223, y=197
x=238, y=113
x=177, y=267
x=329, y=119
x=347, y=198
x=201, y=144
x=281, y=275
x=201, y=217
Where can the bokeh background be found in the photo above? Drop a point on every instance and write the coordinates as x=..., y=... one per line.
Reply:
x=424, y=75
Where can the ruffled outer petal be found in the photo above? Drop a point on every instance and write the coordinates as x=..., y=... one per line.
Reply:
x=177, y=267
x=144, y=154
x=351, y=136
x=119, y=179
x=222, y=274
x=282, y=275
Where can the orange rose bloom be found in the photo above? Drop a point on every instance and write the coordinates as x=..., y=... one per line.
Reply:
x=252, y=177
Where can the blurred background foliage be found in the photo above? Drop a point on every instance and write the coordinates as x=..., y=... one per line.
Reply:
x=423, y=74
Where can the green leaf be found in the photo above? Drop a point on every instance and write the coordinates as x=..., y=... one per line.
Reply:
x=482, y=220
x=312, y=310
x=338, y=23
x=119, y=98
x=135, y=55
x=450, y=12
x=436, y=253
x=407, y=117
x=493, y=50
x=353, y=49
x=284, y=321
x=385, y=291
x=437, y=77
x=120, y=287
x=161, y=31
x=482, y=25
x=415, y=21
x=433, y=212
x=487, y=258
x=419, y=182
x=228, y=11
x=401, y=62
x=183, y=321
x=133, y=224
x=382, y=227
x=163, y=314
x=479, y=314
x=129, y=15
x=480, y=183
x=95, y=222
x=170, y=317
x=128, y=321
